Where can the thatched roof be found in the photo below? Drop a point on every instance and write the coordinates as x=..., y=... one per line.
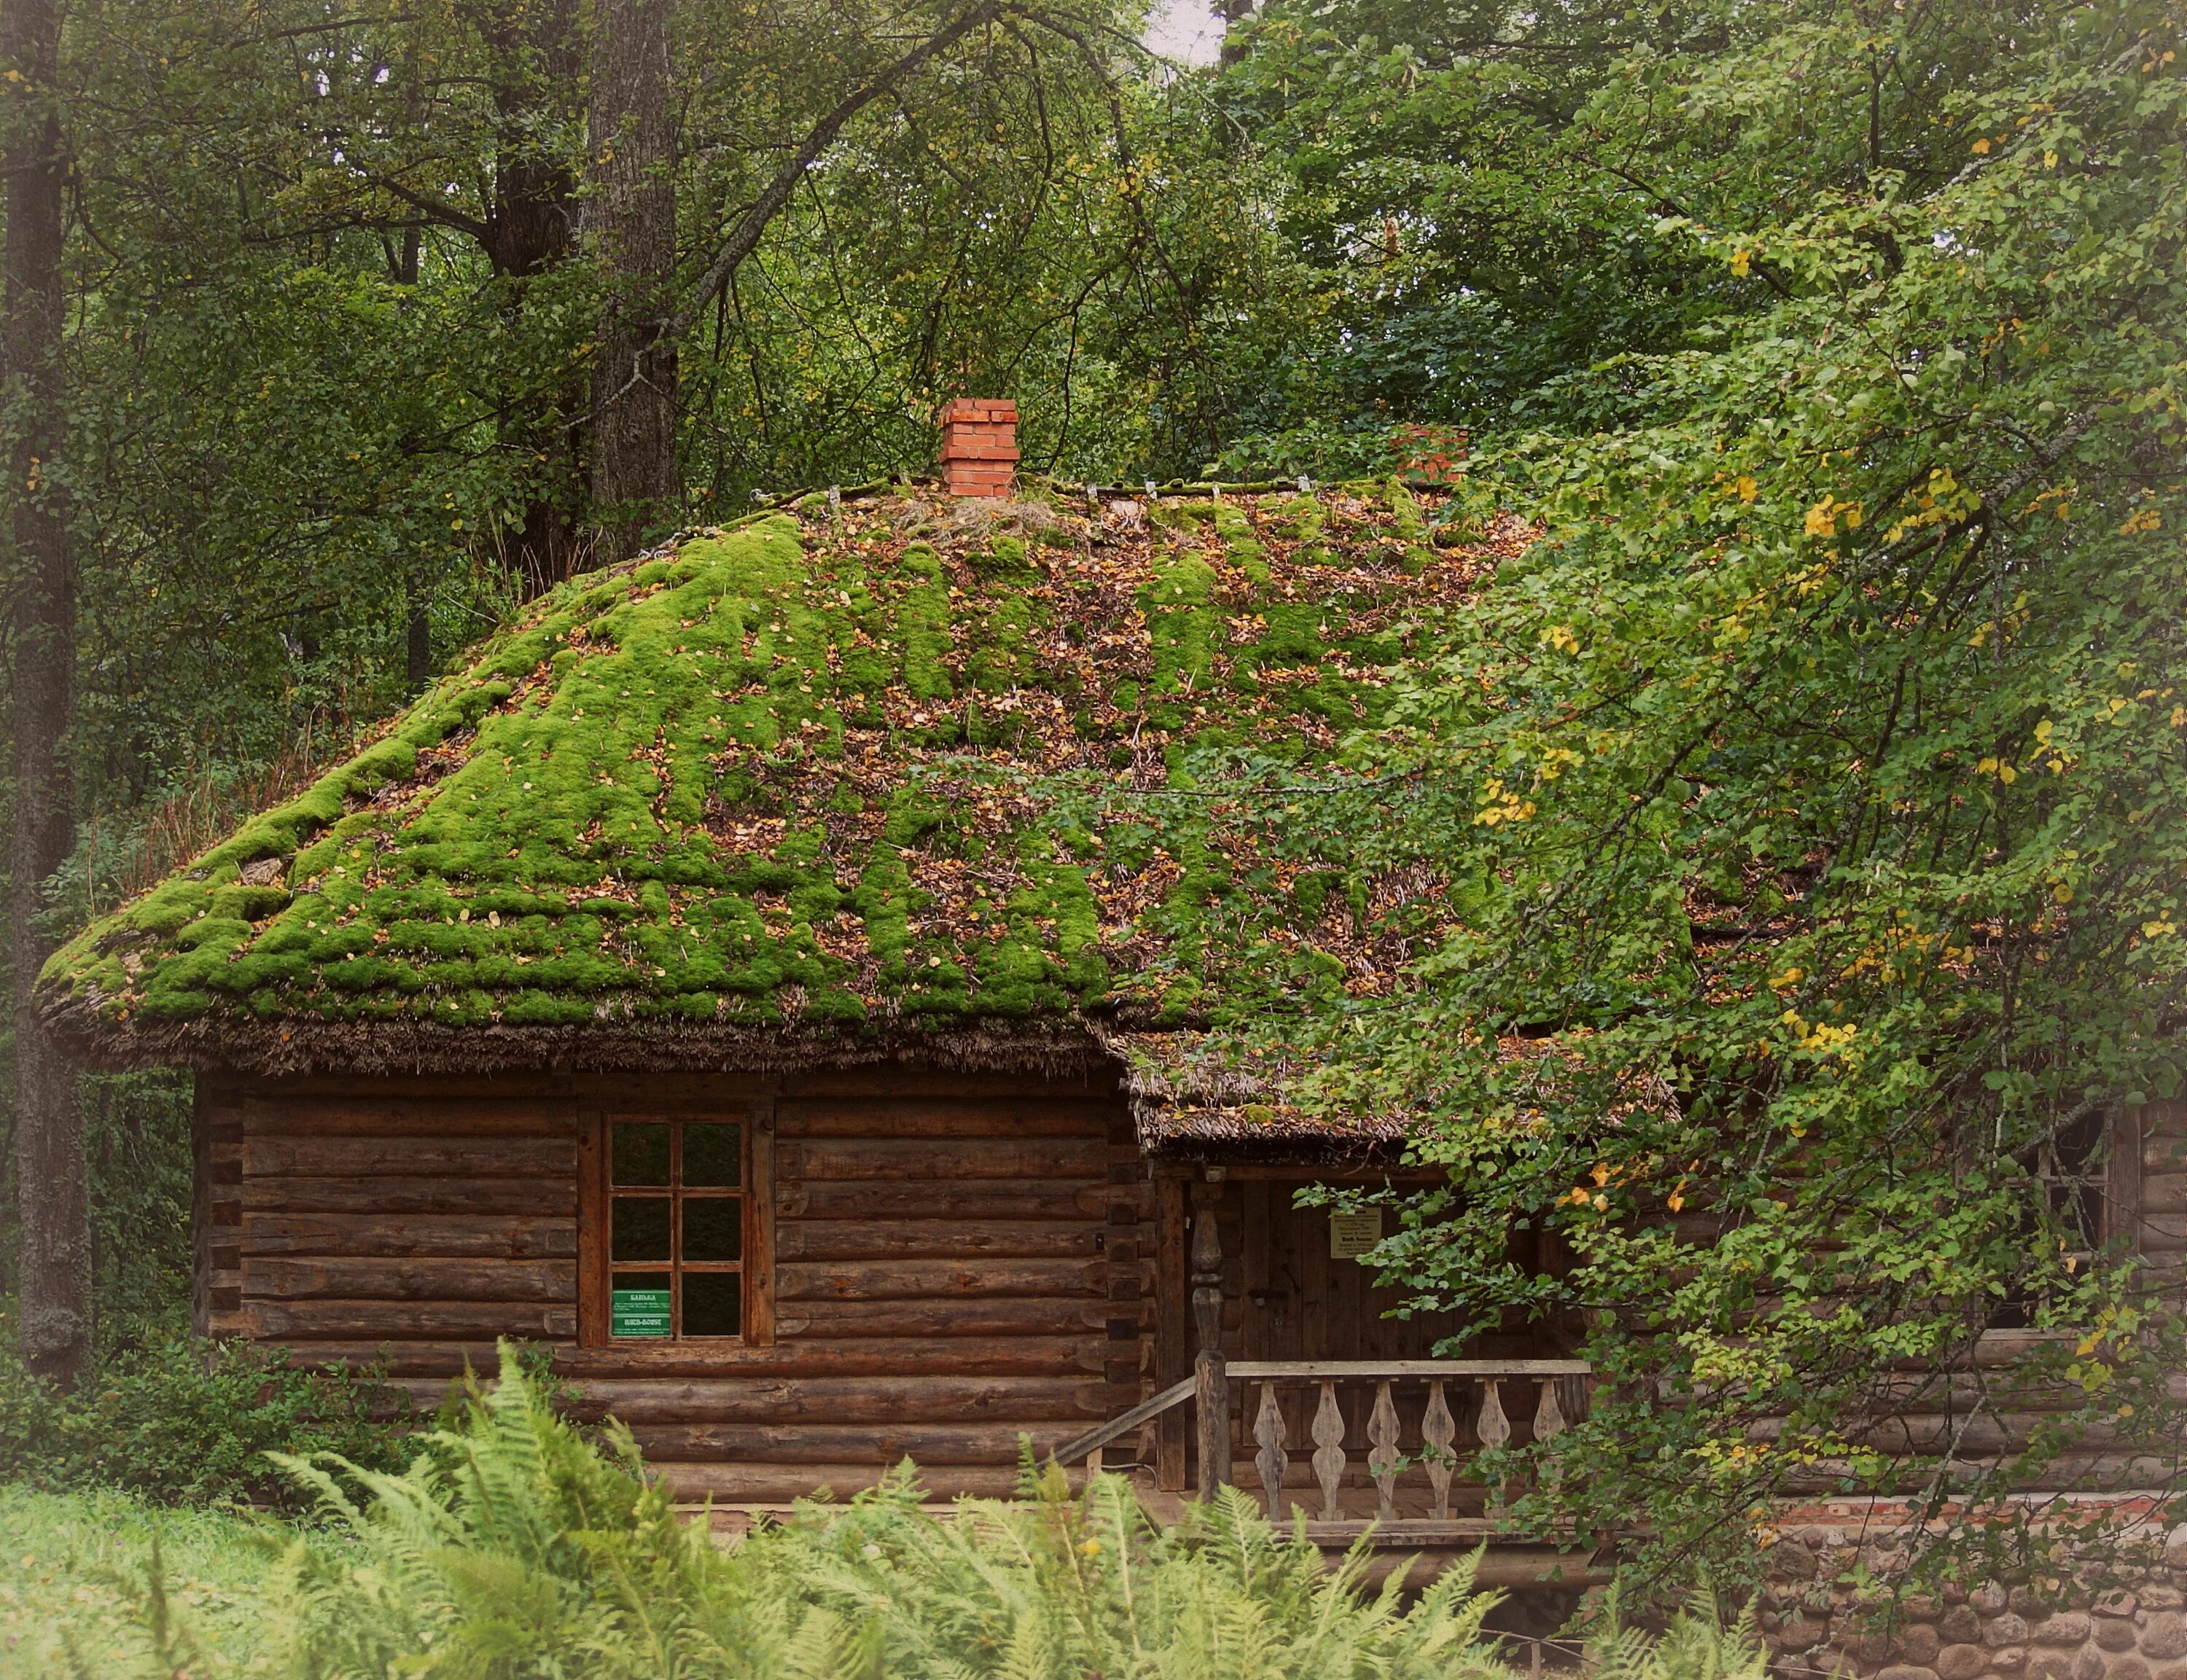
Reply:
x=906, y=777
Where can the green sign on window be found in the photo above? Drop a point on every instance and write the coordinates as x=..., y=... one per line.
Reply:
x=638, y=1312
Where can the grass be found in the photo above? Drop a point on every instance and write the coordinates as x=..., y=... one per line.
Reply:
x=72, y=1582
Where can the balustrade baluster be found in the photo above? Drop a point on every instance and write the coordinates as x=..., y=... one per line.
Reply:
x=1328, y=1450
x=1438, y=1429
x=1271, y=1461
x=1382, y=1451
x=1494, y=1430
x=1548, y=1416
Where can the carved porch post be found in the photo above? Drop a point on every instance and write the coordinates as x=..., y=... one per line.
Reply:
x=1210, y=1382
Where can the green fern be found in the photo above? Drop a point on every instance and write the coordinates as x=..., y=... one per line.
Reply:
x=513, y=1550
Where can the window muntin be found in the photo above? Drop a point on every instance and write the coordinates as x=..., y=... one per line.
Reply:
x=676, y=1228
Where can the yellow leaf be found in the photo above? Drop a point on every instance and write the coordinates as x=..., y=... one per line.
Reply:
x=2062, y=893
x=2007, y=774
x=1738, y=264
x=1982, y=149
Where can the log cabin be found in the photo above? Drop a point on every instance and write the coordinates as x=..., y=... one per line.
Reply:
x=775, y=977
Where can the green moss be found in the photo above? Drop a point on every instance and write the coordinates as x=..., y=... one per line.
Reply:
x=720, y=787
x=923, y=625
x=1181, y=622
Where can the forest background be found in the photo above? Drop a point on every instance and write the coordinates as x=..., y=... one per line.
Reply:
x=1821, y=762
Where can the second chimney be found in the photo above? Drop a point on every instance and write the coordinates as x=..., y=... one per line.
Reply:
x=979, y=446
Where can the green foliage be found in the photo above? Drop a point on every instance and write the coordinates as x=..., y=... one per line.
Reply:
x=512, y=1548
x=1803, y=814
x=182, y=1421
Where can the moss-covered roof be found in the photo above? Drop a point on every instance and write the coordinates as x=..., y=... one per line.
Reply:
x=900, y=766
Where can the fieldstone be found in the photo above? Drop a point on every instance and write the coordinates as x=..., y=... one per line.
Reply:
x=1799, y=1634
x=2005, y=1630
x=1988, y=1599
x=2158, y=1597
x=1961, y=1662
x=2170, y=1671
x=2127, y=1668
x=2029, y=1602
x=2117, y=1603
x=2175, y=1548
x=2113, y=1635
x=1915, y=1607
x=1825, y=1661
x=1961, y=1625
x=2051, y=1665
x=2166, y=1636
x=2067, y=1628
x=2010, y=1660
x=1952, y=1593
x=1789, y=1561
x=2088, y=1664
x=1907, y=1671
x=1869, y=1647
x=1919, y=1644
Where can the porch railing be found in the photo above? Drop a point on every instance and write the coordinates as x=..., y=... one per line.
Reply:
x=1549, y=1394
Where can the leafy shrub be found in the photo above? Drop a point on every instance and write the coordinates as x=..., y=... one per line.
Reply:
x=513, y=1548
x=184, y=1421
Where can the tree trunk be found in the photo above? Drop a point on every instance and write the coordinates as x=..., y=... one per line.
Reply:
x=636, y=483
x=53, y=1274
x=530, y=226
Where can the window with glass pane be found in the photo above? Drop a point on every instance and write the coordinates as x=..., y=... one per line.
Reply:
x=674, y=1227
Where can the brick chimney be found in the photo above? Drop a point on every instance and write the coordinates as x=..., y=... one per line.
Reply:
x=979, y=446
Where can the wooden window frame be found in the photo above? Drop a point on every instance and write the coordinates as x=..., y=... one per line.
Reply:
x=596, y=1267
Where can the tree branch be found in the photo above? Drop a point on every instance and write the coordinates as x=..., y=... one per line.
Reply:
x=745, y=236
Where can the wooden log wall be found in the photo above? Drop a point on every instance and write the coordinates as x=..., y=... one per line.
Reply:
x=956, y=1261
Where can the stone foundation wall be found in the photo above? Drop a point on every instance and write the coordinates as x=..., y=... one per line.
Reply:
x=2123, y=1622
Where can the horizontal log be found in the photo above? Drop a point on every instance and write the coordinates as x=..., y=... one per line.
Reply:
x=526, y=1158
x=962, y=1198
x=875, y=1444
x=1355, y=1369
x=843, y=1400
x=1981, y=1435
x=412, y=1196
x=409, y=1279
x=837, y=1240
x=371, y=1320
x=914, y=1279
x=966, y=1117
x=2068, y=1472
x=894, y=1160
x=1078, y=1354
x=2164, y=1193
x=979, y=1317
x=911, y=1081
x=780, y=1483
x=500, y=1236
x=464, y=1117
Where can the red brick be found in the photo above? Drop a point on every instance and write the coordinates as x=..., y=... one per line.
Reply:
x=979, y=446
